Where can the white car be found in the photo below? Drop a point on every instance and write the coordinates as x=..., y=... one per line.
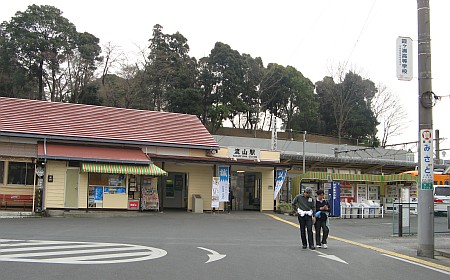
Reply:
x=441, y=198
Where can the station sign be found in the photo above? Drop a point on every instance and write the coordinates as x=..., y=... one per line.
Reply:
x=244, y=153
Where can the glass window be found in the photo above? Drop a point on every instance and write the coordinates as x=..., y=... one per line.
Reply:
x=169, y=188
x=2, y=172
x=20, y=173
x=107, y=179
x=442, y=191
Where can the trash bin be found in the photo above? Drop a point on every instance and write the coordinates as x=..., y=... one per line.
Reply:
x=377, y=209
x=345, y=210
x=355, y=210
x=197, y=203
x=371, y=205
x=365, y=210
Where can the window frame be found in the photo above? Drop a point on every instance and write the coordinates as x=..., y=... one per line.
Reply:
x=26, y=179
x=2, y=172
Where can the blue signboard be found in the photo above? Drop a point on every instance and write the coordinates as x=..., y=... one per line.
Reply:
x=98, y=195
x=224, y=183
x=334, y=199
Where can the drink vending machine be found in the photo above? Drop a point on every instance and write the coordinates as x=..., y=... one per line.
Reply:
x=334, y=199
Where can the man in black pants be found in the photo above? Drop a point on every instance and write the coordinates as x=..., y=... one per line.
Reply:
x=305, y=206
x=322, y=208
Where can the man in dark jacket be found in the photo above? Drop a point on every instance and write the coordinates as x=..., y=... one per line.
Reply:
x=322, y=209
x=305, y=206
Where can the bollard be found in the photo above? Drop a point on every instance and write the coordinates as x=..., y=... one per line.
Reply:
x=400, y=220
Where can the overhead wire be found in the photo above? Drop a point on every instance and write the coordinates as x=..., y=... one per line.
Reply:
x=360, y=33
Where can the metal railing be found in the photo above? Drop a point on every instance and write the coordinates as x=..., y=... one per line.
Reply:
x=405, y=220
x=362, y=212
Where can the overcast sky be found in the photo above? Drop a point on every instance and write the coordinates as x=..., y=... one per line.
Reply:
x=313, y=36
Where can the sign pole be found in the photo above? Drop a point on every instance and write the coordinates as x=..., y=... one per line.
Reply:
x=425, y=231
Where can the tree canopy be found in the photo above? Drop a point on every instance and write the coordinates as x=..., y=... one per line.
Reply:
x=43, y=56
x=49, y=49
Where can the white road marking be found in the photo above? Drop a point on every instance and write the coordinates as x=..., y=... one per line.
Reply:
x=418, y=264
x=331, y=257
x=214, y=256
x=68, y=252
x=32, y=248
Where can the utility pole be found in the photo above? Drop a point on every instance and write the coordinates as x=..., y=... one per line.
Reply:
x=425, y=231
x=304, y=141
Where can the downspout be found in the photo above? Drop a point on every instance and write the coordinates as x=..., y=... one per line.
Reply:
x=34, y=188
x=43, y=179
x=45, y=150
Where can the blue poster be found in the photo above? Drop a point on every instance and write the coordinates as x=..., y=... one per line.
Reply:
x=281, y=174
x=98, y=195
x=224, y=183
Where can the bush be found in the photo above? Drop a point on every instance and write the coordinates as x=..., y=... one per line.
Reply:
x=284, y=207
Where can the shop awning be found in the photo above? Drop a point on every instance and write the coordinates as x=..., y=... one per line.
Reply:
x=123, y=169
x=325, y=176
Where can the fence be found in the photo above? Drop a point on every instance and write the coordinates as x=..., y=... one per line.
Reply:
x=405, y=220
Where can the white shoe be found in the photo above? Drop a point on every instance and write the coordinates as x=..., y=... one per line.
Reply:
x=324, y=246
x=319, y=246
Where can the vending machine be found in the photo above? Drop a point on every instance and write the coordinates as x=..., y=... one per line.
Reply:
x=373, y=192
x=361, y=192
x=314, y=186
x=392, y=196
x=334, y=199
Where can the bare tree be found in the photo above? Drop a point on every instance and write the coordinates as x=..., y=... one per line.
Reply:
x=113, y=54
x=389, y=112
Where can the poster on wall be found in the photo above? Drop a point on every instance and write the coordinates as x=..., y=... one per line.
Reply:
x=150, y=199
x=281, y=174
x=224, y=183
x=215, y=192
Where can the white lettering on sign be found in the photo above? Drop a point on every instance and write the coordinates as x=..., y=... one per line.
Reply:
x=426, y=159
x=244, y=153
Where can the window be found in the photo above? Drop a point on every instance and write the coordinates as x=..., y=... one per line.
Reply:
x=20, y=173
x=442, y=191
x=2, y=172
x=169, y=188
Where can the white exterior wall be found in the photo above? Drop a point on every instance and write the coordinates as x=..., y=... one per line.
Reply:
x=54, y=191
x=199, y=181
x=266, y=192
x=82, y=190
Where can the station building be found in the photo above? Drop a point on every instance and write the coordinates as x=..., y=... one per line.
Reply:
x=81, y=157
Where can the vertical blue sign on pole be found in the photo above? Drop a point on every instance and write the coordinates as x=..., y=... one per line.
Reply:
x=334, y=199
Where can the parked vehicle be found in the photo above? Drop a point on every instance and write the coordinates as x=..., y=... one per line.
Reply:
x=440, y=178
x=441, y=198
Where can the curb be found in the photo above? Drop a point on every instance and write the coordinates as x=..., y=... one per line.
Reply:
x=15, y=215
x=443, y=253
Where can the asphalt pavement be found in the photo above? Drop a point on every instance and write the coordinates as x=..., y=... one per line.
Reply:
x=375, y=233
x=380, y=233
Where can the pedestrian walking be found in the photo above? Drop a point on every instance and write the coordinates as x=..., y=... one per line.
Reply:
x=322, y=208
x=305, y=206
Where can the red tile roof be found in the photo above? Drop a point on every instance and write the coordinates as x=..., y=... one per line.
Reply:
x=91, y=153
x=55, y=120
